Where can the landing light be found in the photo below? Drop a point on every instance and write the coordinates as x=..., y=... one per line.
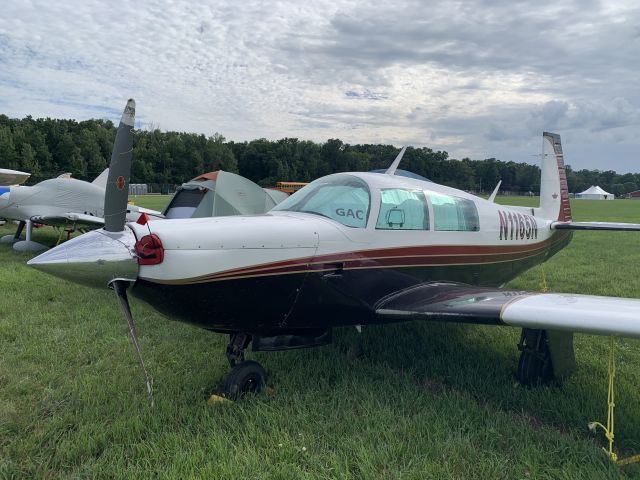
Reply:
x=149, y=250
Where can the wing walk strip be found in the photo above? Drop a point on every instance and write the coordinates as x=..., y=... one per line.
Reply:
x=369, y=259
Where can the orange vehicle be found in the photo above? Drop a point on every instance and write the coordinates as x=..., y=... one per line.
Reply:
x=289, y=187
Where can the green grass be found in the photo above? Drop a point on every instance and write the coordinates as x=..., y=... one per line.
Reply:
x=413, y=401
x=155, y=202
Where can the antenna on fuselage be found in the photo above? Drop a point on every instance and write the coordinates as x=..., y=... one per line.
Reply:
x=492, y=197
x=392, y=169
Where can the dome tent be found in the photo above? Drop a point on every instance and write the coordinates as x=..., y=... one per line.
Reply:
x=220, y=193
x=595, y=193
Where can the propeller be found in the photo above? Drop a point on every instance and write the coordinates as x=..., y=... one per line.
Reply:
x=120, y=287
x=115, y=210
x=117, y=189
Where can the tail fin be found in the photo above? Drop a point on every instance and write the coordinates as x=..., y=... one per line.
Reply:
x=101, y=180
x=554, y=192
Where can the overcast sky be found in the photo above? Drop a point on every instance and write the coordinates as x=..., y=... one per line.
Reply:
x=477, y=79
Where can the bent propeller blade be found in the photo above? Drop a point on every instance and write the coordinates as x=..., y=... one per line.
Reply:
x=120, y=287
x=117, y=190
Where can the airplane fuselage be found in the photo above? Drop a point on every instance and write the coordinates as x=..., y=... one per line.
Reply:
x=55, y=196
x=293, y=270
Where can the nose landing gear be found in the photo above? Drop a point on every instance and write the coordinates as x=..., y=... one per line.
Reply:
x=246, y=376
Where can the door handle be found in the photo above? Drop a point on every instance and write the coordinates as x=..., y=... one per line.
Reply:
x=335, y=271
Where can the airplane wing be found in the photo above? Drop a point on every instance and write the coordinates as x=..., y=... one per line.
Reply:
x=134, y=212
x=455, y=302
x=82, y=220
x=70, y=220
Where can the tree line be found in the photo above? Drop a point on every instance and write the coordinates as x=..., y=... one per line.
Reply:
x=48, y=147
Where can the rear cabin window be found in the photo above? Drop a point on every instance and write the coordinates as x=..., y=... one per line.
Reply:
x=402, y=209
x=342, y=198
x=454, y=214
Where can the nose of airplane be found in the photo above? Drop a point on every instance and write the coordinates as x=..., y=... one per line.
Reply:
x=93, y=259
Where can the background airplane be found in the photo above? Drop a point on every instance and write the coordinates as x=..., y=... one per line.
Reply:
x=8, y=178
x=350, y=249
x=63, y=202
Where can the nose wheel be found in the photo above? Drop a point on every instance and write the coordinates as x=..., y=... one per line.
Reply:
x=246, y=376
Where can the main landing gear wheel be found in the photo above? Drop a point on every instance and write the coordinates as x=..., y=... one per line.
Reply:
x=245, y=377
x=534, y=367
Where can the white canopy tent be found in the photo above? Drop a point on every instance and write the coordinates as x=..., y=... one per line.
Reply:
x=595, y=193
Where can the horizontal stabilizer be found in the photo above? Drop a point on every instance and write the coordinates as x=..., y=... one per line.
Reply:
x=610, y=226
x=455, y=302
x=12, y=177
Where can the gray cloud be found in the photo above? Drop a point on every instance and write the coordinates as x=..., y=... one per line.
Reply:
x=478, y=79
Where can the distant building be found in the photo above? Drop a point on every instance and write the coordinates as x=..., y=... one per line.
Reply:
x=138, y=189
x=635, y=195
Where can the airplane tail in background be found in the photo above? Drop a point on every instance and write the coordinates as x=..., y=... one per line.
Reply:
x=554, y=192
x=101, y=180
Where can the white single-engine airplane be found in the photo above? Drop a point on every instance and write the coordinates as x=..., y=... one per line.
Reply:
x=63, y=202
x=350, y=249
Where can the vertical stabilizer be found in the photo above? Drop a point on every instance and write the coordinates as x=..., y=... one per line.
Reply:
x=101, y=180
x=554, y=192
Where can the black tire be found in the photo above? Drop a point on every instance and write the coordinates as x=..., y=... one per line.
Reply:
x=533, y=370
x=244, y=378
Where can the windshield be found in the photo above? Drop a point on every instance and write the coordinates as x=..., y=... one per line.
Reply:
x=343, y=198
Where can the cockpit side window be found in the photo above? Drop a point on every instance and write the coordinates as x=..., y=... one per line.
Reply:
x=343, y=198
x=402, y=209
x=454, y=214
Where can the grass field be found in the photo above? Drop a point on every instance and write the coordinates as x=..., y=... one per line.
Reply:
x=411, y=401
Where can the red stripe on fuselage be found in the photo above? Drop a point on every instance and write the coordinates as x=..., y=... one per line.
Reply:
x=414, y=256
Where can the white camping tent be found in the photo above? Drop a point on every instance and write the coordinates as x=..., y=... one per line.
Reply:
x=595, y=193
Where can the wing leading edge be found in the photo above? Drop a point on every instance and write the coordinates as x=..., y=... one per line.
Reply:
x=454, y=302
